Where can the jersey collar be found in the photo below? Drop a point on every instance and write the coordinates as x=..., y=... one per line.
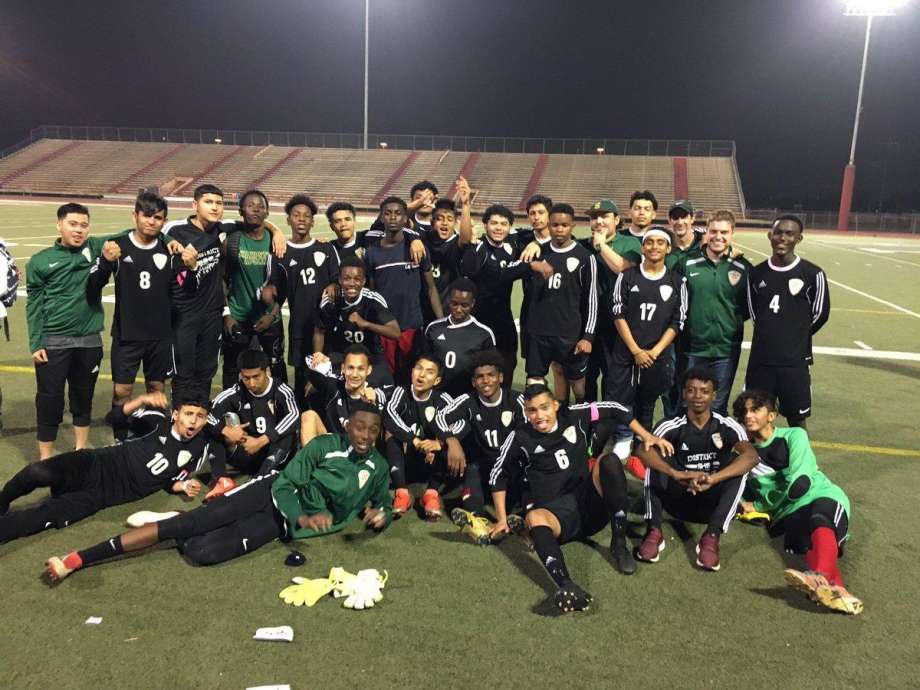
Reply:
x=301, y=246
x=501, y=395
x=783, y=268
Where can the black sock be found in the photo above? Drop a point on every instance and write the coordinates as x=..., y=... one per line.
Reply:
x=397, y=459
x=613, y=482
x=102, y=551
x=550, y=554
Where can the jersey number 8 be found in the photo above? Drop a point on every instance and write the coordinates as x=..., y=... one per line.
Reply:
x=144, y=280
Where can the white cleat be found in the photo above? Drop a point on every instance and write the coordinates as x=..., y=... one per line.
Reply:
x=145, y=517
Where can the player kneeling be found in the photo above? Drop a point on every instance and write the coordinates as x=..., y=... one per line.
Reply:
x=323, y=487
x=804, y=505
x=571, y=500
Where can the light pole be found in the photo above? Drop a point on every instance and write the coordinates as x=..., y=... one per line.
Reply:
x=867, y=9
x=367, y=22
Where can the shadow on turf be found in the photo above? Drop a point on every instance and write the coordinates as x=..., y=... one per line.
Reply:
x=791, y=597
x=884, y=365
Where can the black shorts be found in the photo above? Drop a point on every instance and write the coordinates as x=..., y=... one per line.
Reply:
x=542, y=350
x=792, y=385
x=631, y=385
x=506, y=334
x=580, y=513
x=127, y=356
x=797, y=527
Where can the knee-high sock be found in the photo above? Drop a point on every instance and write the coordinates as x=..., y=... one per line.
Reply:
x=397, y=459
x=822, y=556
x=550, y=553
x=100, y=552
x=613, y=482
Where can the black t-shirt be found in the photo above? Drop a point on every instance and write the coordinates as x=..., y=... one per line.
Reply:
x=300, y=278
x=706, y=450
x=399, y=280
x=649, y=306
x=208, y=295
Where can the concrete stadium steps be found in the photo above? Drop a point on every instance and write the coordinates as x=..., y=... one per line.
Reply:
x=189, y=161
x=501, y=178
x=429, y=166
x=712, y=184
x=24, y=159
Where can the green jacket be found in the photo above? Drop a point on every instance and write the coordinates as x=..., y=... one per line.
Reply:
x=327, y=475
x=718, y=303
x=56, y=289
x=769, y=482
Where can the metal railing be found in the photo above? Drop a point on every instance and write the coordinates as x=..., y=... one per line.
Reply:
x=859, y=222
x=409, y=142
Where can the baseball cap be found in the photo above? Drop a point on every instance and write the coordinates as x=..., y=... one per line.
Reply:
x=602, y=206
x=683, y=205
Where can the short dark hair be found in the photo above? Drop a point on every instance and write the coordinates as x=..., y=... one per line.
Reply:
x=431, y=357
x=352, y=262
x=538, y=199
x=758, y=398
x=253, y=192
x=487, y=358
x=337, y=206
x=535, y=389
x=462, y=285
x=497, y=210
x=394, y=200
x=203, y=189
x=645, y=195
x=700, y=374
x=252, y=359
x=445, y=205
x=149, y=203
x=72, y=207
x=299, y=200
x=190, y=399
x=562, y=208
x=355, y=406
x=789, y=217
x=424, y=184
x=356, y=349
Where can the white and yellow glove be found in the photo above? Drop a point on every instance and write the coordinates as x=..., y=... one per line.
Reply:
x=360, y=591
x=305, y=591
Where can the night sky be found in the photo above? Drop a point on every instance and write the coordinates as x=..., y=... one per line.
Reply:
x=777, y=76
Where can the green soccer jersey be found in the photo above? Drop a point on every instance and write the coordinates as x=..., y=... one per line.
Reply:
x=776, y=485
x=246, y=268
x=327, y=475
x=718, y=303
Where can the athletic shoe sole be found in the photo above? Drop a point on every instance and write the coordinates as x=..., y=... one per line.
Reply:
x=145, y=517
x=699, y=563
x=650, y=560
x=572, y=599
x=461, y=518
x=800, y=581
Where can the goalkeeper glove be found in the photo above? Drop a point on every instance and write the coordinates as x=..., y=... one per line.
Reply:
x=361, y=591
x=305, y=591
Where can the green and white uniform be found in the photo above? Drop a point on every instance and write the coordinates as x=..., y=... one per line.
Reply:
x=247, y=262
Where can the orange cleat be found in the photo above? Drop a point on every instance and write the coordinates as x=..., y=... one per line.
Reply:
x=222, y=486
x=402, y=502
x=431, y=504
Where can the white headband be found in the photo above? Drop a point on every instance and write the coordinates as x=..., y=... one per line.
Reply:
x=656, y=232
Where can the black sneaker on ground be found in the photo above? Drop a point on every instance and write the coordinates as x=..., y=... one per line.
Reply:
x=571, y=597
x=622, y=558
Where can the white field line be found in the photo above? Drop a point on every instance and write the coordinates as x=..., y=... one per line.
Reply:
x=861, y=344
x=878, y=254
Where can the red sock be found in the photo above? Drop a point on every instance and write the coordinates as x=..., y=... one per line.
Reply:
x=73, y=561
x=822, y=556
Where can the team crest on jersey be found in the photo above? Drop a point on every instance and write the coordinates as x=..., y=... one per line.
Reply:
x=319, y=258
x=796, y=285
x=429, y=413
x=222, y=237
x=666, y=292
x=87, y=254
x=572, y=264
x=570, y=434
x=363, y=476
x=271, y=406
x=359, y=252
x=734, y=277
x=183, y=459
x=717, y=440
x=507, y=247
x=507, y=416
x=159, y=260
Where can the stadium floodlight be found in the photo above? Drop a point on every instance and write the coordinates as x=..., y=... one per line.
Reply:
x=218, y=140
x=384, y=145
x=867, y=9
x=600, y=150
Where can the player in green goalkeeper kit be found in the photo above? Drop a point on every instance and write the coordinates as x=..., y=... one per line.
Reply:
x=323, y=487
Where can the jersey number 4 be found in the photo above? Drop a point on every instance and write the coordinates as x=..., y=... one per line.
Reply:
x=774, y=304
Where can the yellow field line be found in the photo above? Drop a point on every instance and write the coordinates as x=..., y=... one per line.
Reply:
x=879, y=450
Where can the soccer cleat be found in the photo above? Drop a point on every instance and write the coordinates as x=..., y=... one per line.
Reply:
x=402, y=502
x=754, y=517
x=473, y=526
x=839, y=599
x=570, y=597
x=516, y=524
x=652, y=546
x=707, y=552
x=431, y=504
x=807, y=581
x=635, y=467
x=56, y=568
x=145, y=517
x=221, y=486
x=619, y=548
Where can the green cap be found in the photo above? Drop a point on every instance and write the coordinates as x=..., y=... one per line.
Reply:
x=602, y=206
x=683, y=205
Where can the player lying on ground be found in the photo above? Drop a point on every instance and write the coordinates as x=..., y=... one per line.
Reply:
x=703, y=479
x=320, y=491
x=804, y=505
x=571, y=499
x=84, y=482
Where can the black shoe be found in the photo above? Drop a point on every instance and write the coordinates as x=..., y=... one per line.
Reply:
x=622, y=556
x=570, y=597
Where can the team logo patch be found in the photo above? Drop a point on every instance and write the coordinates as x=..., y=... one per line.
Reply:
x=183, y=459
x=363, y=476
x=666, y=292
x=429, y=413
x=319, y=258
x=570, y=434
x=507, y=416
x=159, y=260
x=796, y=285
x=734, y=277
x=507, y=247
x=572, y=264
x=87, y=254
x=222, y=237
x=717, y=440
x=359, y=252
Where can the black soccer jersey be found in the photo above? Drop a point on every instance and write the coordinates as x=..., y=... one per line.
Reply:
x=554, y=463
x=342, y=333
x=408, y=417
x=565, y=306
x=143, y=278
x=455, y=344
x=338, y=409
x=274, y=413
x=484, y=263
x=706, y=450
x=649, y=305
x=788, y=305
x=361, y=240
x=482, y=427
x=445, y=259
x=153, y=459
x=300, y=278
x=208, y=295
